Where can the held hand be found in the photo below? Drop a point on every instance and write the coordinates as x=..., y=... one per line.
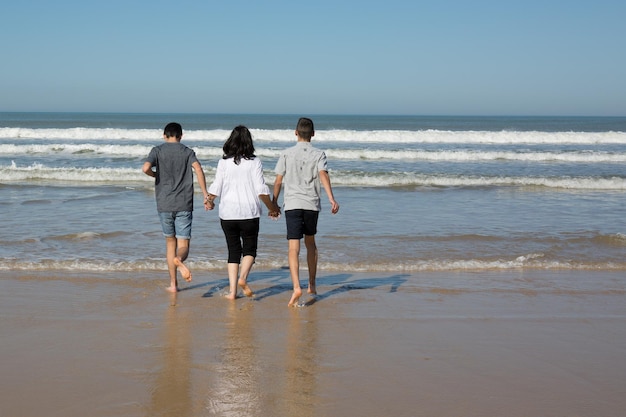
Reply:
x=274, y=212
x=209, y=204
x=334, y=207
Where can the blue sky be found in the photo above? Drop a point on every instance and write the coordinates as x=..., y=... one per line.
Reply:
x=317, y=57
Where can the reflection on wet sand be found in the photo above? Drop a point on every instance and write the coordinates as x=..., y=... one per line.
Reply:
x=248, y=381
x=171, y=394
x=237, y=390
x=301, y=364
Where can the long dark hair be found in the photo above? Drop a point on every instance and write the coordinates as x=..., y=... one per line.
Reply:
x=239, y=145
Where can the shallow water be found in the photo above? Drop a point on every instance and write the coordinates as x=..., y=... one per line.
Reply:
x=416, y=194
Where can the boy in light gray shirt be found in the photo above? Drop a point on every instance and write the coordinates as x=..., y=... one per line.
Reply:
x=302, y=170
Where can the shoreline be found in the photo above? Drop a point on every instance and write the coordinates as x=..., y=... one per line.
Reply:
x=118, y=345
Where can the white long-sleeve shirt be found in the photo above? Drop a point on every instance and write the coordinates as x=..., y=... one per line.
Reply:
x=238, y=188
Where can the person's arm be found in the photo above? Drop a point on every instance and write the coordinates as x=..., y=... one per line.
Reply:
x=215, y=189
x=147, y=169
x=325, y=179
x=278, y=183
x=258, y=183
x=272, y=207
x=202, y=183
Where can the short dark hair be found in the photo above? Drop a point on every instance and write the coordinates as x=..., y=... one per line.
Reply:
x=305, y=128
x=239, y=145
x=173, y=130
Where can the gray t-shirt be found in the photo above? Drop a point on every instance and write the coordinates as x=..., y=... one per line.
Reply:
x=300, y=166
x=174, y=176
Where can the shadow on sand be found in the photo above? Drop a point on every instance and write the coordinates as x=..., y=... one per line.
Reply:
x=280, y=282
x=341, y=282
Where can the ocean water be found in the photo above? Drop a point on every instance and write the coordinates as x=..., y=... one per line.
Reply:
x=416, y=193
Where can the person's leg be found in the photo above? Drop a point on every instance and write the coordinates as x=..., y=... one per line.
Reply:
x=294, y=269
x=233, y=271
x=232, y=232
x=170, y=254
x=249, y=239
x=182, y=225
x=181, y=254
x=310, y=218
x=246, y=266
x=311, y=258
x=167, y=220
x=295, y=225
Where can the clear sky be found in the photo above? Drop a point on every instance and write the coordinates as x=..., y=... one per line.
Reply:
x=413, y=57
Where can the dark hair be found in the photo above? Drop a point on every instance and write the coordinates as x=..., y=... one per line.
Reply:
x=239, y=145
x=305, y=128
x=173, y=130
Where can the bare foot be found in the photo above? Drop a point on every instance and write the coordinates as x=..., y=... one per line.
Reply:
x=171, y=289
x=230, y=296
x=312, y=290
x=184, y=271
x=295, y=297
x=246, y=290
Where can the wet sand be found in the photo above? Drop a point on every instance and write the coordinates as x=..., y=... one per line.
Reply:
x=369, y=345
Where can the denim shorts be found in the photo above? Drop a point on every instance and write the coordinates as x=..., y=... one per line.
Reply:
x=176, y=223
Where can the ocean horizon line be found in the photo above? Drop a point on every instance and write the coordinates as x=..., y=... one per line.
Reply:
x=305, y=114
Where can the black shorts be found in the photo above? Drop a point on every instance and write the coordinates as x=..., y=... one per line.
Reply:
x=301, y=223
x=242, y=237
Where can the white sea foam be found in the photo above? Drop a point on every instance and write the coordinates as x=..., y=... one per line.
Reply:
x=528, y=262
x=85, y=150
x=353, y=136
x=39, y=172
x=413, y=179
x=473, y=155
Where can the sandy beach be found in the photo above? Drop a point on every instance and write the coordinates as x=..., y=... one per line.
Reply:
x=368, y=345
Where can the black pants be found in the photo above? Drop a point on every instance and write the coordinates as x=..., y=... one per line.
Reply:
x=242, y=237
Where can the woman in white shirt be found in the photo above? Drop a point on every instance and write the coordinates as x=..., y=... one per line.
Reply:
x=240, y=186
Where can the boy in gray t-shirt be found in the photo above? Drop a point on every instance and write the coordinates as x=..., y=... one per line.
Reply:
x=303, y=171
x=173, y=186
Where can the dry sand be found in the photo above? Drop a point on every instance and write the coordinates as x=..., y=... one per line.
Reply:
x=97, y=345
